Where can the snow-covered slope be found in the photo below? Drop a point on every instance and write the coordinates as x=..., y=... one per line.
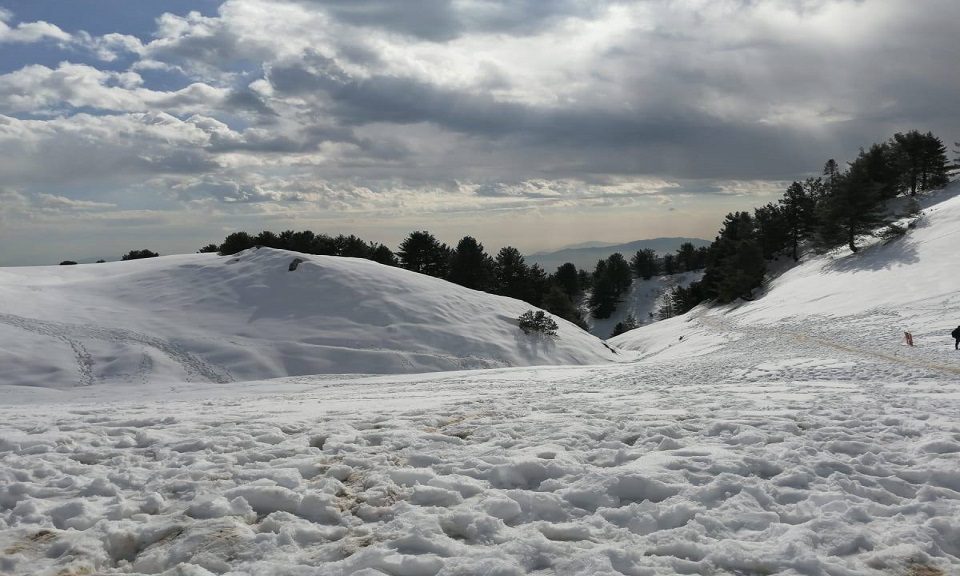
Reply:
x=747, y=440
x=204, y=317
x=865, y=299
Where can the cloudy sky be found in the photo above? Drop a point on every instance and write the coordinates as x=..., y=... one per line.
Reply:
x=165, y=125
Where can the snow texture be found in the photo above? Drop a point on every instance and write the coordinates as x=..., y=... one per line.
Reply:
x=762, y=442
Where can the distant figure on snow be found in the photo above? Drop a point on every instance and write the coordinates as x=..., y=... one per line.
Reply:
x=956, y=336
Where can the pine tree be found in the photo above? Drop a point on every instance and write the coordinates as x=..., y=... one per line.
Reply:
x=668, y=264
x=852, y=208
x=350, y=246
x=625, y=325
x=909, y=149
x=559, y=304
x=470, y=266
x=267, y=239
x=380, y=253
x=798, y=212
x=511, y=273
x=568, y=279
x=422, y=252
x=236, y=242
x=830, y=171
x=644, y=264
x=687, y=257
x=619, y=272
x=603, y=297
x=934, y=171
x=771, y=226
x=735, y=263
x=883, y=168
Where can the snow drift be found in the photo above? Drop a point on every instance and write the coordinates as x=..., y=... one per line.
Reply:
x=204, y=317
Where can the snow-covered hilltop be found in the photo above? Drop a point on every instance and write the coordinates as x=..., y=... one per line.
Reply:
x=204, y=317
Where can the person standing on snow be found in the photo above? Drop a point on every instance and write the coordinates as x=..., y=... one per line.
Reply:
x=956, y=336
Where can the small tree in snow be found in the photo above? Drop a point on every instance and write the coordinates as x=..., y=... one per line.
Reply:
x=626, y=325
x=538, y=323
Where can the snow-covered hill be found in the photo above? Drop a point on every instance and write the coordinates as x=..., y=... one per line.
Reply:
x=204, y=317
x=866, y=299
x=793, y=435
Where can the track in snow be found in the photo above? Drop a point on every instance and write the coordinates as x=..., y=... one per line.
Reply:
x=74, y=334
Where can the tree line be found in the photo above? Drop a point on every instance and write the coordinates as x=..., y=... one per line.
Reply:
x=824, y=212
x=506, y=273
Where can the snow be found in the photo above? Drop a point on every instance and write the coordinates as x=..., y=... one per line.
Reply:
x=775, y=437
x=204, y=317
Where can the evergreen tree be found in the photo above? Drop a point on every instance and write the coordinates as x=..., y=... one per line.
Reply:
x=619, y=272
x=798, y=206
x=511, y=273
x=350, y=246
x=380, y=253
x=422, y=252
x=538, y=284
x=267, y=239
x=683, y=299
x=208, y=248
x=687, y=257
x=645, y=264
x=882, y=167
x=735, y=263
x=559, y=304
x=625, y=325
x=852, y=208
x=327, y=246
x=138, y=254
x=668, y=264
x=830, y=173
x=922, y=160
x=585, y=279
x=934, y=170
x=470, y=266
x=771, y=227
x=236, y=242
x=568, y=279
x=604, y=295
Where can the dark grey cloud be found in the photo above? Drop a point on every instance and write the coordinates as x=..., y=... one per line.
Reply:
x=443, y=20
x=409, y=105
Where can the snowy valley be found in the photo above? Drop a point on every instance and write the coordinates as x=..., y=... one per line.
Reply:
x=197, y=415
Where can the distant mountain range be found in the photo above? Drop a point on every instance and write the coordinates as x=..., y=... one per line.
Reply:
x=586, y=254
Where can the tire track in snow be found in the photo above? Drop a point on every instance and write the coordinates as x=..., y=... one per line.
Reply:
x=72, y=333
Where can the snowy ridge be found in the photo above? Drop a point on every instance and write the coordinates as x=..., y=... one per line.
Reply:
x=208, y=318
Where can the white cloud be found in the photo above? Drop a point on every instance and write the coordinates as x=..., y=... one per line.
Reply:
x=29, y=32
x=39, y=89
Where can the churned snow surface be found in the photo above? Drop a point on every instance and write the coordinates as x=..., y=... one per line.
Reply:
x=764, y=441
x=209, y=318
